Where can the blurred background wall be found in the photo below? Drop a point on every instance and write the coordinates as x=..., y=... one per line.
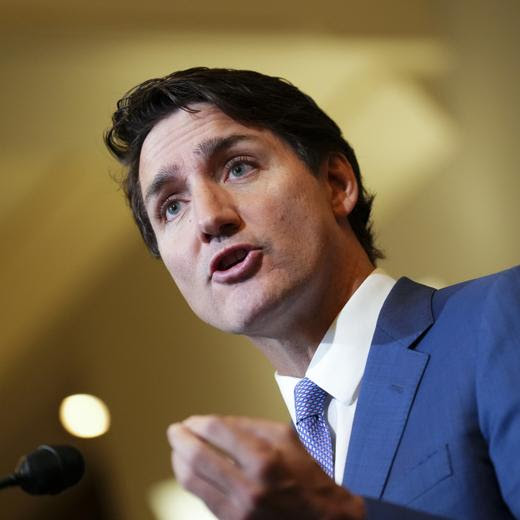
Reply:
x=428, y=94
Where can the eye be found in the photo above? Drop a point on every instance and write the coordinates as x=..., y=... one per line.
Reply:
x=170, y=209
x=239, y=168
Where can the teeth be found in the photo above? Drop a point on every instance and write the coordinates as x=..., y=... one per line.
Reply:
x=232, y=258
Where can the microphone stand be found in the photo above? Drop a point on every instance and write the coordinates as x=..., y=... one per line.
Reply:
x=10, y=480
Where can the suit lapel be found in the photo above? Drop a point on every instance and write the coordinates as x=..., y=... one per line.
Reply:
x=392, y=375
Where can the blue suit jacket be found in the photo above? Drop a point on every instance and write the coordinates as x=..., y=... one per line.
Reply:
x=437, y=427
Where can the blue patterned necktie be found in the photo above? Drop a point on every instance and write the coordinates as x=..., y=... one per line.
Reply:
x=313, y=430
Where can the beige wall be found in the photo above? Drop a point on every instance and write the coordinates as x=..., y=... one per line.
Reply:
x=426, y=92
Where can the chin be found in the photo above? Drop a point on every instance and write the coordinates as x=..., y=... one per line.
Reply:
x=242, y=323
x=240, y=318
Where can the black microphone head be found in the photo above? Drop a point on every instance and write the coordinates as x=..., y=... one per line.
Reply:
x=50, y=470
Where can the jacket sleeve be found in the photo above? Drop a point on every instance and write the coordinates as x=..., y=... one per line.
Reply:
x=498, y=382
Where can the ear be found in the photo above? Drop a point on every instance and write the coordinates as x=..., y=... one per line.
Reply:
x=342, y=184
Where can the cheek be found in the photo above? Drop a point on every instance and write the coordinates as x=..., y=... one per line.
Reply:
x=187, y=274
x=183, y=276
x=182, y=272
x=178, y=251
x=297, y=217
x=177, y=264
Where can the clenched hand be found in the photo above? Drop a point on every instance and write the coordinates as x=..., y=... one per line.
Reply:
x=255, y=469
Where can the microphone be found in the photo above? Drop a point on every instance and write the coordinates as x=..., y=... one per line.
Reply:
x=47, y=471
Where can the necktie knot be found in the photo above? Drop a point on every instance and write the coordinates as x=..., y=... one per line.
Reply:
x=309, y=399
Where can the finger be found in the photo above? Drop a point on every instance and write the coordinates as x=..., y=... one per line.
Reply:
x=271, y=431
x=252, y=425
x=263, y=450
x=240, y=436
x=207, y=462
x=217, y=501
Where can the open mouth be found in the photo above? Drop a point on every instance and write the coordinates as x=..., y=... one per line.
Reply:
x=231, y=259
x=235, y=264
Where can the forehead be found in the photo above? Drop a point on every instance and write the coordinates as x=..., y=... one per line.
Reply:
x=181, y=132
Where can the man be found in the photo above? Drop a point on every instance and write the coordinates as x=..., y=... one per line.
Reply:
x=400, y=394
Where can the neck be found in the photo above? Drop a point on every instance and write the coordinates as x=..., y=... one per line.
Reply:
x=291, y=345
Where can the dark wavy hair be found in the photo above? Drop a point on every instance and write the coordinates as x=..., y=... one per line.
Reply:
x=251, y=98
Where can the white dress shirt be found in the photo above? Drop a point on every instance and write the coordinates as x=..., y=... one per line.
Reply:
x=339, y=361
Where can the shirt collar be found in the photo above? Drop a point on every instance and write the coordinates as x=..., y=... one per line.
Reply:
x=339, y=361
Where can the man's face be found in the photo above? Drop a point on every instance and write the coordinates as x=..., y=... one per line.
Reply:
x=243, y=226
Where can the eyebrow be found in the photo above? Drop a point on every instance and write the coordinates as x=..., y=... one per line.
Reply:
x=205, y=149
x=163, y=177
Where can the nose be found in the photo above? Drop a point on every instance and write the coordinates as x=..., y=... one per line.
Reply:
x=215, y=211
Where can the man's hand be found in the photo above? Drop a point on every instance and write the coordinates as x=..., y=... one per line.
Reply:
x=255, y=469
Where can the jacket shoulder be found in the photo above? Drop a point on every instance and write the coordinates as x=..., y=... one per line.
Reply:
x=475, y=293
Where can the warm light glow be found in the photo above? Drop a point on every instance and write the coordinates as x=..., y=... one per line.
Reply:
x=84, y=415
x=169, y=501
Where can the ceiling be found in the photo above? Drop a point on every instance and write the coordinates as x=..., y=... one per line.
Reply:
x=370, y=18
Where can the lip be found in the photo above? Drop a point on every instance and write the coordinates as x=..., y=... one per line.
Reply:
x=239, y=272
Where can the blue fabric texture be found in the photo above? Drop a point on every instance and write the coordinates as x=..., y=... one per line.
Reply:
x=311, y=425
x=437, y=424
